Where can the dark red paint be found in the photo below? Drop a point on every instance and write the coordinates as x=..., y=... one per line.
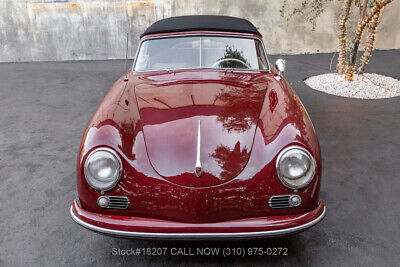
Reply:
x=228, y=105
x=247, y=118
x=149, y=225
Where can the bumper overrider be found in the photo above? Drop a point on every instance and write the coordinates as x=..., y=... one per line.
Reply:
x=136, y=227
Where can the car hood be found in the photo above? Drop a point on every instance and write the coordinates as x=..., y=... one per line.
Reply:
x=226, y=103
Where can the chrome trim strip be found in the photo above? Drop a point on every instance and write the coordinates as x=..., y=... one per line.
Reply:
x=196, y=235
x=201, y=34
x=280, y=198
x=198, y=169
x=116, y=202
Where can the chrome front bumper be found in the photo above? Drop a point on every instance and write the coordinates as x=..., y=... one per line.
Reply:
x=219, y=230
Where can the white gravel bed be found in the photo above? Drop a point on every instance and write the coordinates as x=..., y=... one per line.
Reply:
x=366, y=86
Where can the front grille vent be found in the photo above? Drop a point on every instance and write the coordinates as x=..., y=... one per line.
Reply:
x=284, y=201
x=118, y=202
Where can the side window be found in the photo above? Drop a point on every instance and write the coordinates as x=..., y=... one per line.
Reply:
x=262, y=60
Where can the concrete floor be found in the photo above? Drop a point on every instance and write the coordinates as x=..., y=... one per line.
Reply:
x=45, y=107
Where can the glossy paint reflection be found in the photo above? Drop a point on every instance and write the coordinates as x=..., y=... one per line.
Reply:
x=151, y=122
x=228, y=108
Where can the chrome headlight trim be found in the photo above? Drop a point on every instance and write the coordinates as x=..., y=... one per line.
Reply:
x=312, y=167
x=112, y=185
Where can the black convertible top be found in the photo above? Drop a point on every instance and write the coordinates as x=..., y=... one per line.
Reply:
x=201, y=23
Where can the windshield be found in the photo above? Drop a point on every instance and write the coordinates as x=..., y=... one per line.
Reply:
x=187, y=52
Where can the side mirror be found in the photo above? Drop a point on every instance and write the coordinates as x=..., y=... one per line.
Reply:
x=280, y=65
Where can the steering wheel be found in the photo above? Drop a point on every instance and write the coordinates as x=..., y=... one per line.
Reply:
x=230, y=59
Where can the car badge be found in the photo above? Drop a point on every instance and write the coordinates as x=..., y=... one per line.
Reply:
x=198, y=169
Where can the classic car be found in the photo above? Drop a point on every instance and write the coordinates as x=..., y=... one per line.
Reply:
x=201, y=139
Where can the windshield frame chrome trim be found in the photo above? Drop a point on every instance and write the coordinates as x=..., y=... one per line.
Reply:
x=200, y=68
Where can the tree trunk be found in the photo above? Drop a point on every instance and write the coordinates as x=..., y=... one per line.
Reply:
x=369, y=44
x=357, y=39
x=342, y=64
x=364, y=10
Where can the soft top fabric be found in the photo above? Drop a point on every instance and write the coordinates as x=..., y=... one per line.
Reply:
x=202, y=23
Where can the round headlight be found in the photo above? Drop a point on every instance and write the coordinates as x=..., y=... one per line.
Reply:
x=295, y=167
x=103, y=169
